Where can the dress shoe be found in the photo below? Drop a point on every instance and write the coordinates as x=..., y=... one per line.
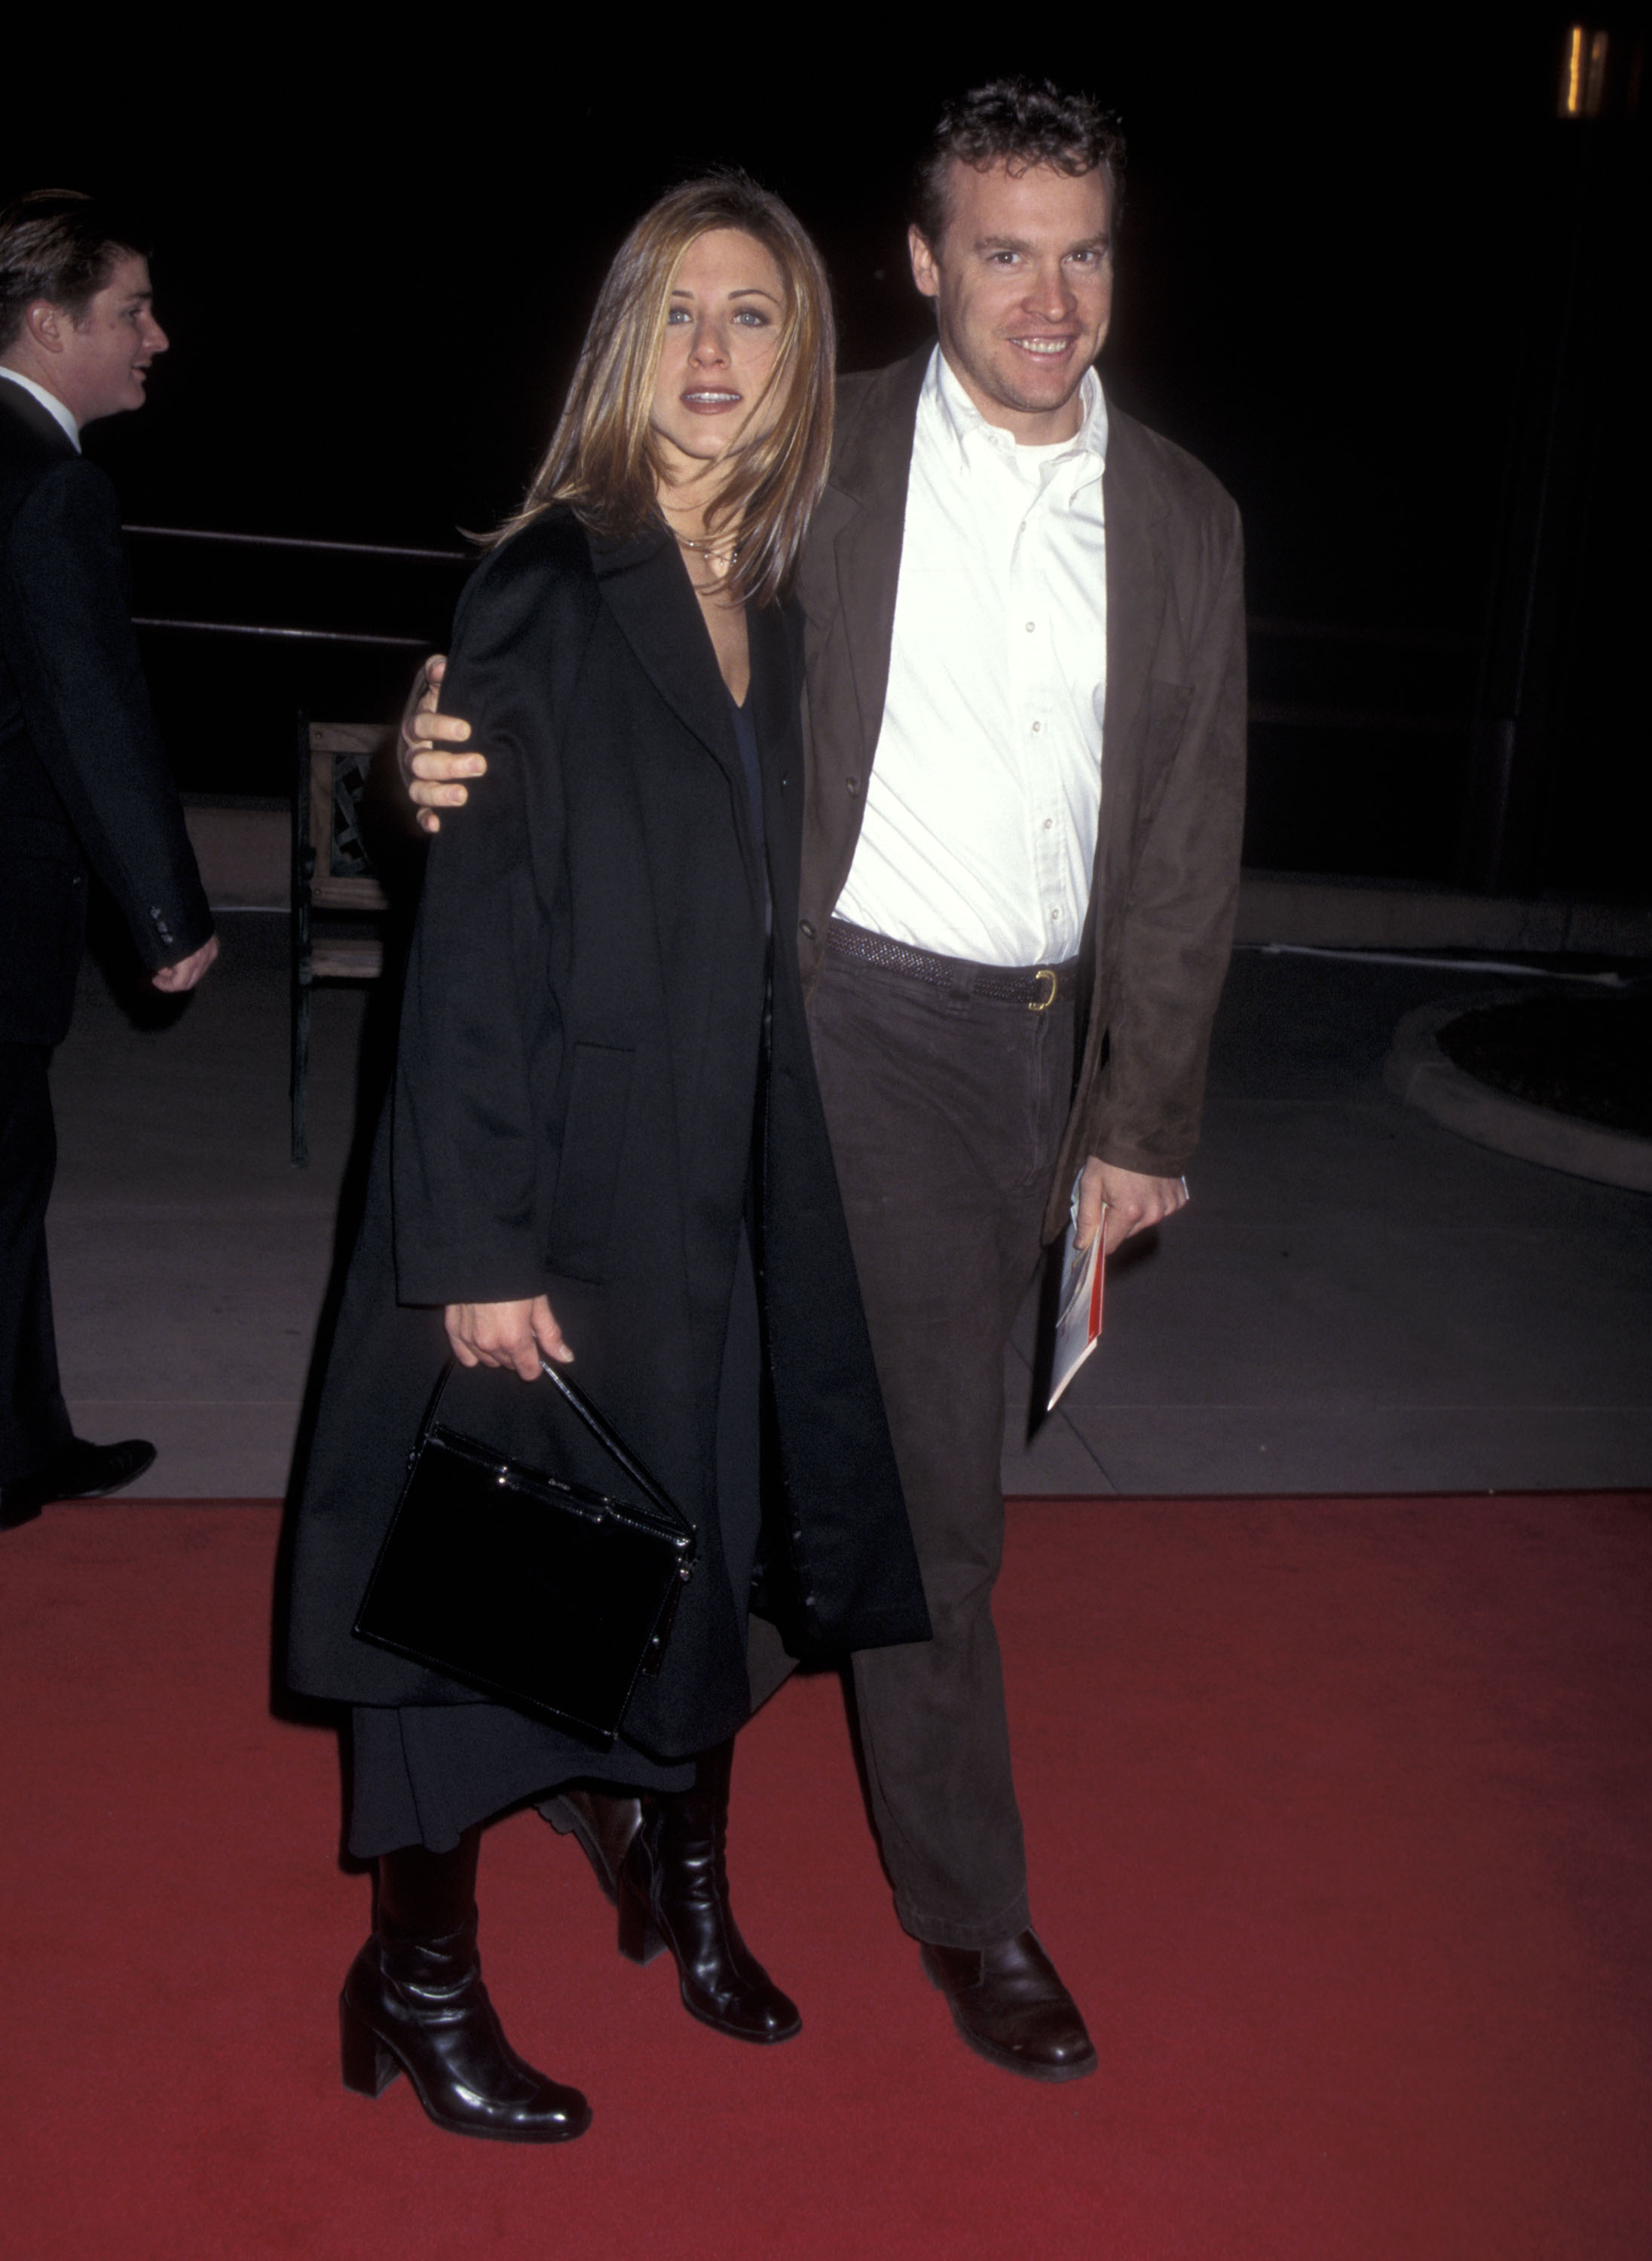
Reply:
x=80, y=1471
x=601, y=1823
x=414, y=2003
x=1012, y=2009
x=674, y=1893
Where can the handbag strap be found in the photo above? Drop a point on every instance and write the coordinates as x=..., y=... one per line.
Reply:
x=617, y=1449
x=600, y=1427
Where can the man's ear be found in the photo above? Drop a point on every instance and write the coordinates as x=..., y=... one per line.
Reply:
x=45, y=323
x=925, y=267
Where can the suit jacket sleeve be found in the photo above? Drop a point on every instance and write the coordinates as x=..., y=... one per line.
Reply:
x=1177, y=930
x=70, y=644
x=477, y=1015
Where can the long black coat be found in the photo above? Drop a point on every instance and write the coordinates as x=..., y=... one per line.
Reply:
x=573, y=1113
x=83, y=782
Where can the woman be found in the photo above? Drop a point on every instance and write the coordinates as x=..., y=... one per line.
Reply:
x=603, y=1103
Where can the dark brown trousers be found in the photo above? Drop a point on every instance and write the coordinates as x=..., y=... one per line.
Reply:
x=945, y=1112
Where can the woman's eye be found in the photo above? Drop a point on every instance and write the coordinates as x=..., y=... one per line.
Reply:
x=753, y=318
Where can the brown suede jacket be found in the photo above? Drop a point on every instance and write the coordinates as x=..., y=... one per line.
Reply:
x=1166, y=886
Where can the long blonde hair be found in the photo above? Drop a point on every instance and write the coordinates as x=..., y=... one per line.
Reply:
x=604, y=460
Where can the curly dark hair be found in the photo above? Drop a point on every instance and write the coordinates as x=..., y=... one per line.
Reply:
x=58, y=244
x=1017, y=122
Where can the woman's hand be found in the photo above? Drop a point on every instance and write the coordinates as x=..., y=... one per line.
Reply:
x=507, y=1334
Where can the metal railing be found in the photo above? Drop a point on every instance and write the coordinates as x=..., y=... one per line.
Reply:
x=381, y=550
x=1291, y=714
x=306, y=541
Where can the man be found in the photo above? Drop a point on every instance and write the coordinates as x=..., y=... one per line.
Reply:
x=83, y=778
x=1025, y=702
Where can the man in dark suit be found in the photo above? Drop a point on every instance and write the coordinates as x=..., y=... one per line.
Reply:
x=83, y=782
x=1025, y=780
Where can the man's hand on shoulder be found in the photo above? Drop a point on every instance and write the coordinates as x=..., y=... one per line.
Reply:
x=1132, y=1202
x=429, y=768
x=175, y=978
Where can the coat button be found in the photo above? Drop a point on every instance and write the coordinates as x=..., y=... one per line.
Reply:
x=806, y=929
x=853, y=786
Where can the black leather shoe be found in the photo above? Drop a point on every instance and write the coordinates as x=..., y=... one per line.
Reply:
x=1012, y=2009
x=80, y=1471
x=674, y=1893
x=602, y=1826
x=414, y=2003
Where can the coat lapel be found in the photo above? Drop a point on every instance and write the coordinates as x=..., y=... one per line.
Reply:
x=644, y=585
x=646, y=589
x=773, y=694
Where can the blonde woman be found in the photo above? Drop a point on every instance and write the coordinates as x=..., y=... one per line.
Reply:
x=605, y=1144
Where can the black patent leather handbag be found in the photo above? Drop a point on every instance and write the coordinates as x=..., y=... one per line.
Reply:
x=532, y=1589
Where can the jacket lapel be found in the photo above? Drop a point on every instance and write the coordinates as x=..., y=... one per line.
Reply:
x=35, y=418
x=1132, y=504
x=870, y=471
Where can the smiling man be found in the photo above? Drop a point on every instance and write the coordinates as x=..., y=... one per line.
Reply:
x=1026, y=701
x=83, y=782
x=1026, y=708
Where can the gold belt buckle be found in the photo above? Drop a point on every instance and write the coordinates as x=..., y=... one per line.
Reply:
x=1043, y=1004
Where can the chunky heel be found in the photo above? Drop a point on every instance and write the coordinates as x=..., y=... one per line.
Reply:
x=641, y=1939
x=369, y=2066
x=414, y=2003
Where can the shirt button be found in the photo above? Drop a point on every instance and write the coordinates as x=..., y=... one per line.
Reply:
x=1037, y=728
x=1031, y=625
x=1048, y=822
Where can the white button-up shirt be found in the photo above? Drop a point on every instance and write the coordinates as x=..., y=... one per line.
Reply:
x=979, y=834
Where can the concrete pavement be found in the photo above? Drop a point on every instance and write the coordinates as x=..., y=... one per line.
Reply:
x=1355, y=1300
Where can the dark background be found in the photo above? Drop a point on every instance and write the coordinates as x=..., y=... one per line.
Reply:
x=1365, y=274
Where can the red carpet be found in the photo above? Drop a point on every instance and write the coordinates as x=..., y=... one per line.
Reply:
x=1338, y=1820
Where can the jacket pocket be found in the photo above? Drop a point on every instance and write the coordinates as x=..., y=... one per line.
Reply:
x=588, y=1173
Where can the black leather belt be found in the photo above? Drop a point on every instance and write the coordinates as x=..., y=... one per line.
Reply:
x=1037, y=988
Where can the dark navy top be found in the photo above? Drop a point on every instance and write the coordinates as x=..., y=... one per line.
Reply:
x=745, y=737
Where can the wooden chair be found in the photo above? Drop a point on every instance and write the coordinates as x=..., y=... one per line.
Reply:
x=333, y=875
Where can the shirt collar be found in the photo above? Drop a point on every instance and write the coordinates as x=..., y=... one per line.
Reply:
x=956, y=415
x=49, y=401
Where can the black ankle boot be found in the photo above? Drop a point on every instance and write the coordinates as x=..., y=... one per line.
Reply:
x=602, y=1824
x=414, y=2003
x=674, y=1893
